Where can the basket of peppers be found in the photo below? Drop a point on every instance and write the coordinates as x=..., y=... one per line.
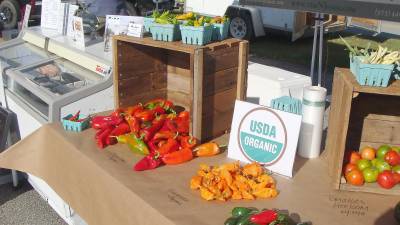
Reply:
x=154, y=130
x=252, y=216
x=76, y=122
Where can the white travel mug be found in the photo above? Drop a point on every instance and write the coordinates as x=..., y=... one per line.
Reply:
x=313, y=108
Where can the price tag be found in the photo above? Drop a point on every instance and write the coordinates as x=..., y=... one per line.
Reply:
x=79, y=36
x=135, y=30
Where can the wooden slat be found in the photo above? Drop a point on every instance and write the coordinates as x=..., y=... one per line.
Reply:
x=177, y=82
x=221, y=60
x=134, y=85
x=178, y=59
x=115, y=72
x=175, y=46
x=142, y=98
x=220, y=81
x=392, y=89
x=198, y=93
x=216, y=124
x=221, y=102
x=338, y=126
x=371, y=188
x=242, y=70
x=179, y=98
x=180, y=71
x=381, y=130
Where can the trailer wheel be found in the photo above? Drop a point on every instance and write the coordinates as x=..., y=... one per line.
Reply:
x=241, y=27
x=10, y=11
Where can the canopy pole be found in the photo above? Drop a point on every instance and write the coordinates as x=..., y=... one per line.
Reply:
x=316, y=23
x=321, y=42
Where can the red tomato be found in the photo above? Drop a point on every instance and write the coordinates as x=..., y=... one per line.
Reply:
x=396, y=177
x=184, y=115
x=386, y=179
x=349, y=167
x=354, y=157
x=368, y=153
x=393, y=158
x=355, y=177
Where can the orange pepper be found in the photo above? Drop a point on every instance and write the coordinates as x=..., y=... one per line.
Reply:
x=178, y=157
x=195, y=182
x=254, y=169
x=207, y=149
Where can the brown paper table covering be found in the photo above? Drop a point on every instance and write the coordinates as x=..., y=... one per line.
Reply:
x=101, y=186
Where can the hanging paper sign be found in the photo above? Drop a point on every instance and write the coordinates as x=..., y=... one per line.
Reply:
x=264, y=135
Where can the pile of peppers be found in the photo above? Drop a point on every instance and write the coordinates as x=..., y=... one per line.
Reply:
x=252, y=216
x=152, y=129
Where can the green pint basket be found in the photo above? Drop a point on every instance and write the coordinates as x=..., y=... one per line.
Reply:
x=287, y=104
x=196, y=35
x=165, y=32
x=74, y=125
x=377, y=75
x=148, y=21
x=220, y=31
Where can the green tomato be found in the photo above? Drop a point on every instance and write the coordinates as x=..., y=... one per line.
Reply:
x=382, y=166
x=396, y=149
x=375, y=161
x=362, y=164
x=382, y=150
x=396, y=169
x=370, y=174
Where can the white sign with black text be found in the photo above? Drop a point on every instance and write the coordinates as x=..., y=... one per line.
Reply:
x=264, y=135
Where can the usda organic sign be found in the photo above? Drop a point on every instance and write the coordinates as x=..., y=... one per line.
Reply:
x=264, y=135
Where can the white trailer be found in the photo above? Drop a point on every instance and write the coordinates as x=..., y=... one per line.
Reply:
x=250, y=21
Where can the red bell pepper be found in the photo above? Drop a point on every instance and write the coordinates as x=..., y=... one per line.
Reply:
x=170, y=146
x=75, y=117
x=184, y=115
x=121, y=129
x=188, y=142
x=148, y=162
x=178, y=157
x=131, y=110
x=182, y=125
x=158, y=110
x=164, y=134
x=133, y=122
x=149, y=132
x=101, y=122
x=264, y=217
x=117, y=112
x=102, y=138
x=144, y=116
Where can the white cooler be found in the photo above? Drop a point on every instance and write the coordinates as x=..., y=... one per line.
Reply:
x=265, y=83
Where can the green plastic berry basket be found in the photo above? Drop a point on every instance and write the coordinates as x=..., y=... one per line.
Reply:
x=148, y=21
x=377, y=75
x=196, y=35
x=287, y=104
x=220, y=31
x=165, y=32
x=74, y=125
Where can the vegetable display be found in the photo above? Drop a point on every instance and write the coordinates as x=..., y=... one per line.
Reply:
x=381, y=56
x=188, y=19
x=231, y=181
x=371, y=165
x=252, y=216
x=154, y=130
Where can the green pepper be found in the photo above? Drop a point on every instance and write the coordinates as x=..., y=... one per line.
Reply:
x=245, y=220
x=241, y=211
x=231, y=220
x=134, y=143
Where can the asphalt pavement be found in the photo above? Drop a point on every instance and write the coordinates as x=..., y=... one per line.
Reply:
x=24, y=206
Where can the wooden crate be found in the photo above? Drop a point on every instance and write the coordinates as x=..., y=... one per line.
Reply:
x=361, y=116
x=206, y=80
